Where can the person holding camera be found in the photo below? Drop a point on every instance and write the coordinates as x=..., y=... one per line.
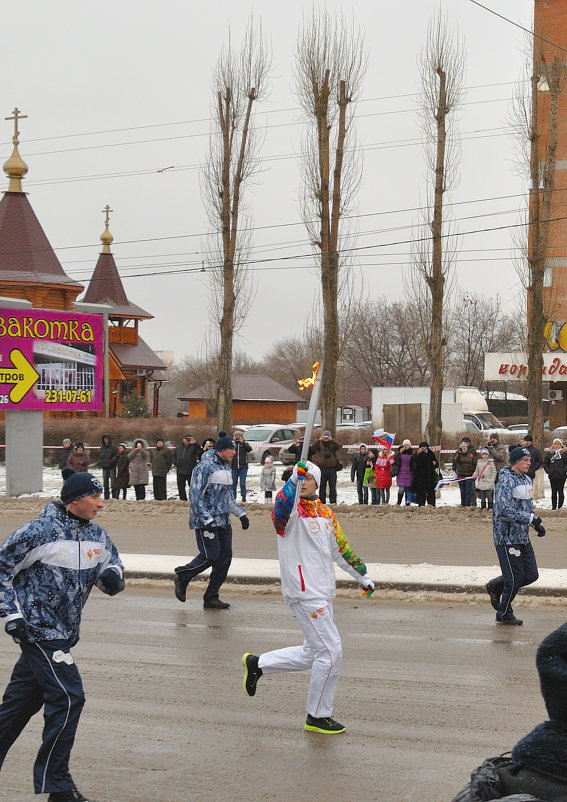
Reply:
x=296, y=448
x=239, y=464
x=511, y=520
x=325, y=456
x=498, y=453
x=555, y=466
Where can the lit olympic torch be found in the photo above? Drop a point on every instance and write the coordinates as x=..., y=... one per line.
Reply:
x=313, y=381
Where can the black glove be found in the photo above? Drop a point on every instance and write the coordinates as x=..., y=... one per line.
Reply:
x=245, y=522
x=18, y=629
x=537, y=525
x=111, y=581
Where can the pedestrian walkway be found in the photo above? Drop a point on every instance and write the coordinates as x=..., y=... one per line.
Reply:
x=446, y=578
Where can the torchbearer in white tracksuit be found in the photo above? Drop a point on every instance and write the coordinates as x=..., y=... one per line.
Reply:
x=310, y=542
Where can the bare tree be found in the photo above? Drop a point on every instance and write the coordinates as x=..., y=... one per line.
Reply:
x=330, y=65
x=292, y=358
x=383, y=350
x=537, y=126
x=238, y=82
x=442, y=68
x=479, y=327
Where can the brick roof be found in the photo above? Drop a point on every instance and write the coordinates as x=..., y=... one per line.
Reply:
x=246, y=388
x=106, y=287
x=25, y=253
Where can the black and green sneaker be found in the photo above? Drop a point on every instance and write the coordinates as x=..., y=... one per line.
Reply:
x=252, y=672
x=494, y=590
x=326, y=725
x=72, y=795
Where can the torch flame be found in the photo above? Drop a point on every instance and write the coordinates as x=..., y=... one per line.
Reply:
x=305, y=383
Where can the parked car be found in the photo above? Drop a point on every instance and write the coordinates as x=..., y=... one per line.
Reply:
x=560, y=432
x=519, y=430
x=267, y=439
x=365, y=425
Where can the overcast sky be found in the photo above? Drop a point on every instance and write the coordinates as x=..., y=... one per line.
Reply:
x=117, y=92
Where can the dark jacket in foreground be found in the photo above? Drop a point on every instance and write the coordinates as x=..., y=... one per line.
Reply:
x=537, y=768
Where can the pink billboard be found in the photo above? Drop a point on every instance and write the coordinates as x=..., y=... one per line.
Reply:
x=50, y=360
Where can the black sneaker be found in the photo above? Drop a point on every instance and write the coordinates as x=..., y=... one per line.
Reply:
x=510, y=620
x=215, y=604
x=180, y=588
x=252, y=672
x=72, y=795
x=326, y=724
x=493, y=593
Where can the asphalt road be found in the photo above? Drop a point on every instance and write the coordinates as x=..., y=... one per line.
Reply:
x=427, y=690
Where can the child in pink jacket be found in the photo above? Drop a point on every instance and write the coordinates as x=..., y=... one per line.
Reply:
x=382, y=468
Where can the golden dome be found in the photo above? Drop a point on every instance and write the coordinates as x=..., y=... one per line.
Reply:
x=106, y=237
x=15, y=167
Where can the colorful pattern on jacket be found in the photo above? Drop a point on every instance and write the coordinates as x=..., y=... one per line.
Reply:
x=513, y=507
x=210, y=493
x=312, y=508
x=48, y=568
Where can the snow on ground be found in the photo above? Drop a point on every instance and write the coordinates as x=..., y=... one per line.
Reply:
x=346, y=490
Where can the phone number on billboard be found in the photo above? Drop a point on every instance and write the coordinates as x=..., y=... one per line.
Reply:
x=68, y=396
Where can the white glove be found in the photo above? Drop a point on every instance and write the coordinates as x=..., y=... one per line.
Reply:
x=366, y=582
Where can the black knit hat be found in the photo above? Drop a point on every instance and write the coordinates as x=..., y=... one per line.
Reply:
x=518, y=453
x=551, y=662
x=224, y=442
x=79, y=485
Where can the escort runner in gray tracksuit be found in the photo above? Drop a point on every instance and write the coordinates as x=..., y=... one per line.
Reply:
x=212, y=502
x=48, y=567
x=512, y=517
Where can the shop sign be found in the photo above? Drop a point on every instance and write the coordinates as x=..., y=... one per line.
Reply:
x=514, y=367
x=50, y=360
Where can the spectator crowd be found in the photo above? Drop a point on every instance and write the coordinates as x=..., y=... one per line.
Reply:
x=417, y=470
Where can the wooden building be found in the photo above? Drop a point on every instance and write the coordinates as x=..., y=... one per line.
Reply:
x=30, y=270
x=255, y=399
x=133, y=366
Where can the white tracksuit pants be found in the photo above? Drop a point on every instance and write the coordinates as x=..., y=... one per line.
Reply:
x=321, y=651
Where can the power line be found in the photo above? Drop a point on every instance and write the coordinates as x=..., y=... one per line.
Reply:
x=255, y=264
x=521, y=27
x=403, y=210
x=208, y=133
x=264, y=112
x=486, y=133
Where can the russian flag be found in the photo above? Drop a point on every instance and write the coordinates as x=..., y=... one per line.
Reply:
x=383, y=438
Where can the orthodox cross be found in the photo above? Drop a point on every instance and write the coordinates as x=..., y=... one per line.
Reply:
x=16, y=116
x=106, y=212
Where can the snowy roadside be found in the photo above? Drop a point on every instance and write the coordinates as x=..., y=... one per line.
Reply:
x=346, y=490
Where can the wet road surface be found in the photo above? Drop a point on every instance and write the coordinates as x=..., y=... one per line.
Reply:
x=427, y=691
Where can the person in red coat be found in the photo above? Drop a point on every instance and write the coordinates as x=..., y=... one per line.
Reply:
x=382, y=468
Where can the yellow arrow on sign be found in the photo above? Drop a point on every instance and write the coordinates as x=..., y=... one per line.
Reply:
x=22, y=374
